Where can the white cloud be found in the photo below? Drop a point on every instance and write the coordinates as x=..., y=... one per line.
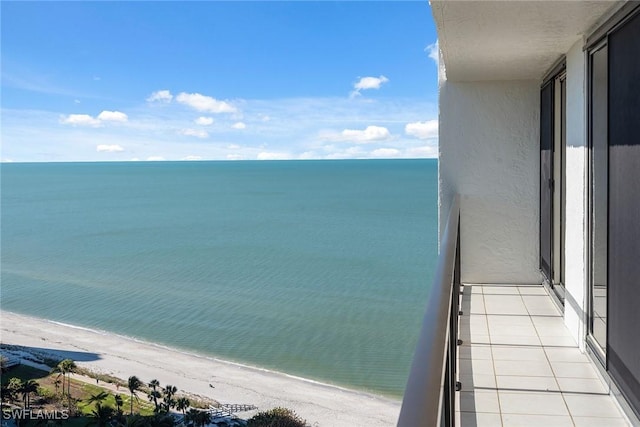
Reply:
x=366, y=83
x=198, y=133
x=299, y=127
x=192, y=158
x=205, y=103
x=239, y=125
x=87, y=120
x=370, y=134
x=135, y=159
x=204, y=121
x=113, y=116
x=80, y=120
x=234, y=157
x=266, y=155
x=385, y=152
x=370, y=83
x=76, y=101
x=109, y=148
x=161, y=96
x=155, y=158
x=422, y=130
x=423, y=152
x=433, y=51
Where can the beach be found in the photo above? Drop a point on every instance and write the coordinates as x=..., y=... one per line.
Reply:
x=227, y=382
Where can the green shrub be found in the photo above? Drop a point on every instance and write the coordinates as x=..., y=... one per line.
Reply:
x=277, y=417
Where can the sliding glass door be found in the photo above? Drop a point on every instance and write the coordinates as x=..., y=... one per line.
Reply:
x=552, y=167
x=615, y=202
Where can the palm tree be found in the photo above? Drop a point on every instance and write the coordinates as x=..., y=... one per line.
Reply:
x=98, y=398
x=182, y=404
x=59, y=369
x=202, y=418
x=28, y=387
x=153, y=397
x=133, y=384
x=191, y=415
x=56, y=382
x=119, y=402
x=102, y=414
x=67, y=366
x=169, y=391
x=199, y=418
x=155, y=394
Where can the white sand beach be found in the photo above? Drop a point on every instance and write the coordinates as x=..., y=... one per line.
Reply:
x=320, y=404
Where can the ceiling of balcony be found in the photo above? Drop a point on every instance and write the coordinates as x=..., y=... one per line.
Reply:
x=510, y=40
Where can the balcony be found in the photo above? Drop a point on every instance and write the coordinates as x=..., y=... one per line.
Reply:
x=519, y=366
x=499, y=355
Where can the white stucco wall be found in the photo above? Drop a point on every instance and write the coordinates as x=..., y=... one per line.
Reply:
x=489, y=153
x=576, y=195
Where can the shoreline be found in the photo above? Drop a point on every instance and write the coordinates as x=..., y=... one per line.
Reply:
x=207, y=357
x=319, y=403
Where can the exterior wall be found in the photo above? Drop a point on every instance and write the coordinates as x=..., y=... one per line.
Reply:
x=489, y=154
x=576, y=195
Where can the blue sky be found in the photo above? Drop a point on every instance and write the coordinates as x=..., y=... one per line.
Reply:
x=115, y=81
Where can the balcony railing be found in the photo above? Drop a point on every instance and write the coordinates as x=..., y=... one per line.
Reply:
x=429, y=398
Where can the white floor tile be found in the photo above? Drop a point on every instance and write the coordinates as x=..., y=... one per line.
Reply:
x=532, y=403
x=494, y=320
x=529, y=368
x=514, y=420
x=475, y=289
x=481, y=352
x=470, y=382
x=573, y=370
x=600, y=422
x=500, y=290
x=504, y=304
x=587, y=405
x=478, y=401
x=549, y=321
x=520, y=330
x=532, y=290
x=518, y=353
x=477, y=340
x=552, y=331
x=567, y=354
x=582, y=385
x=561, y=341
x=525, y=384
x=469, y=419
x=514, y=340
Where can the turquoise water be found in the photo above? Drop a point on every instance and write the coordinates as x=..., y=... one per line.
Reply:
x=314, y=268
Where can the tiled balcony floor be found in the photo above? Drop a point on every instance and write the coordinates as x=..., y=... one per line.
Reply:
x=519, y=366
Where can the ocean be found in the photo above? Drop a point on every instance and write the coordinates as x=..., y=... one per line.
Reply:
x=318, y=269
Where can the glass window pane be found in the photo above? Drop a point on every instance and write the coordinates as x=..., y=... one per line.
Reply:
x=599, y=194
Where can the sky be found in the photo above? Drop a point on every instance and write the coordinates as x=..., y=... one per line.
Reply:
x=210, y=80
